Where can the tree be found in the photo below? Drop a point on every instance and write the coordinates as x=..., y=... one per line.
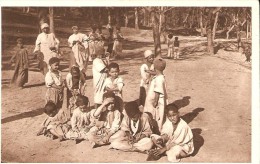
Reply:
x=156, y=34
x=136, y=18
x=51, y=17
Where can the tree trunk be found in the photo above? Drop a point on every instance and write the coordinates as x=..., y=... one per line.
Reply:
x=117, y=16
x=145, y=18
x=126, y=19
x=109, y=17
x=160, y=19
x=210, y=41
x=201, y=23
x=51, y=17
x=215, y=25
x=247, y=30
x=156, y=34
x=100, y=16
x=136, y=19
x=230, y=31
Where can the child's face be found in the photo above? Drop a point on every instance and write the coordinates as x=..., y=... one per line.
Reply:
x=83, y=108
x=75, y=31
x=150, y=58
x=20, y=45
x=45, y=30
x=173, y=117
x=136, y=117
x=113, y=72
x=55, y=66
x=111, y=106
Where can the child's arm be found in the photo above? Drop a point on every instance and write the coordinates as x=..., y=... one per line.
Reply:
x=156, y=99
x=12, y=58
x=151, y=72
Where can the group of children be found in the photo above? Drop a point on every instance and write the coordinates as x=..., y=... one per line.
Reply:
x=148, y=125
x=173, y=47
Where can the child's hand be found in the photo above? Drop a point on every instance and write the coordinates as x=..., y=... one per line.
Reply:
x=155, y=103
x=107, y=101
x=105, y=139
x=41, y=131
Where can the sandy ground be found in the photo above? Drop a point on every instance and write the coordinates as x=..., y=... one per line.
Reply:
x=214, y=94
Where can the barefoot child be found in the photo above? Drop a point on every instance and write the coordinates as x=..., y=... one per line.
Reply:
x=176, y=48
x=56, y=123
x=157, y=96
x=176, y=139
x=170, y=46
x=109, y=120
x=20, y=58
x=54, y=83
x=135, y=131
x=81, y=120
x=147, y=69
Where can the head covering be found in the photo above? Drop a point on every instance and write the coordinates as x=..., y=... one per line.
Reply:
x=159, y=64
x=19, y=40
x=148, y=53
x=131, y=108
x=53, y=60
x=74, y=27
x=44, y=25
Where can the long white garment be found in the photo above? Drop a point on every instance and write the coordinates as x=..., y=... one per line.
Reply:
x=44, y=42
x=146, y=77
x=79, y=49
x=118, y=82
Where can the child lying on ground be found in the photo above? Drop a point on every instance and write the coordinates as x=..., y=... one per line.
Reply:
x=109, y=120
x=56, y=124
x=135, y=131
x=176, y=139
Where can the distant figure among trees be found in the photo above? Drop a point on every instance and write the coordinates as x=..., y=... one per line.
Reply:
x=117, y=47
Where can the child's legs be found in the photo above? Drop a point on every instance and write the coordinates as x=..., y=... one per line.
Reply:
x=169, y=52
x=144, y=144
x=160, y=115
x=117, y=136
x=175, y=153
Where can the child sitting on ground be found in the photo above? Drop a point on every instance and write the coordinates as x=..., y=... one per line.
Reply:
x=176, y=45
x=176, y=139
x=81, y=120
x=157, y=96
x=54, y=83
x=147, y=69
x=135, y=131
x=20, y=58
x=56, y=124
x=109, y=120
x=170, y=46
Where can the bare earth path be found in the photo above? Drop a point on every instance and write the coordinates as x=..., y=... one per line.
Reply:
x=215, y=96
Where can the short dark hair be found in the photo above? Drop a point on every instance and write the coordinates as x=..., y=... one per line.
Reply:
x=74, y=69
x=54, y=60
x=172, y=107
x=109, y=94
x=113, y=65
x=170, y=36
x=176, y=38
x=49, y=107
x=82, y=100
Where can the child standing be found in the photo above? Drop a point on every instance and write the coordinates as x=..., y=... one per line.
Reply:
x=109, y=120
x=117, y=47
x=99, y=71
x=56, y=122
x=176, y=48
x=54, y=83
x=110, y=41
x=146, y=70
x=170, y=46
x=157, y=96
x=81, y=120
x=176, y=137
x=20, y=58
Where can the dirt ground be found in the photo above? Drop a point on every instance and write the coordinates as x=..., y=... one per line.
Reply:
x=214, y=93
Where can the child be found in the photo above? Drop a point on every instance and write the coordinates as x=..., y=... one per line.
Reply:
x=135, y=131
x=56, y=122
x=20, y=58
x=117, y=47
x=170, y=45
x=146, y=70
x=176, y=139
x=78, y=43
x=99, y=71
x=109, y=120
x=81, y=120
x=114, y=83
x=176, y=45
x=93, y=39
x=54, y=83
x=157, y=96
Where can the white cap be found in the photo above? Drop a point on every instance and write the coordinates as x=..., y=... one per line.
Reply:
x=148, y=53
x=44, y=25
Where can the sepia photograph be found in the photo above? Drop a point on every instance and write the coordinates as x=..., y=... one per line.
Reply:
x=129, y=83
